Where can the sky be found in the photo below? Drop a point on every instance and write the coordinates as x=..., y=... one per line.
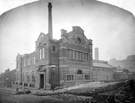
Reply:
x=109, y=23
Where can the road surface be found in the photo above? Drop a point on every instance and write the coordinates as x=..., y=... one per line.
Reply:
x=8, y=96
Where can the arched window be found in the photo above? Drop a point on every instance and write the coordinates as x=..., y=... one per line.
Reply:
x=79, y=40
x=79, y=72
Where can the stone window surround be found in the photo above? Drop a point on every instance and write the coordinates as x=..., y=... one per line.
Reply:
x=70, y=80
x=87, y=75
x=41, y=53
x=77, y=57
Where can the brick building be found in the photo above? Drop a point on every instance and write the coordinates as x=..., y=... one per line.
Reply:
x=65, y=62
x=102, y=71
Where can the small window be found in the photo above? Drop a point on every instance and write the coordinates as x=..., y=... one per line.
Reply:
x=87, y=77
x=70, y=77
x=76, y=55
x=79, y=40
x=53, y=48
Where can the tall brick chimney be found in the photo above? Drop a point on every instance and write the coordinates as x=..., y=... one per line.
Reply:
x=50, y=20
x=96, y=54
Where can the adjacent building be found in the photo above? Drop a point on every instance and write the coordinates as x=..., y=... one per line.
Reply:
x=7, y=78
x=102, y=71
x=63, y=62
x=128, y=63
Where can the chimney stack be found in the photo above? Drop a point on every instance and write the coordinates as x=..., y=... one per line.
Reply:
x=50, y=20
x=96, y=54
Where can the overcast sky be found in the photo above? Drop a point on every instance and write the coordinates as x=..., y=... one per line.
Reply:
x=111, y=28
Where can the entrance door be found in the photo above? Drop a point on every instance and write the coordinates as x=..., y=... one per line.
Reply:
x=41, y=80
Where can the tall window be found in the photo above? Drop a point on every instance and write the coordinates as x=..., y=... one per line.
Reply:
x=75, y=53
x=70, y=77
x=79, y=56
x=40, y=54
x=85, y=56
x=43, y=53
x=71, y=54
x=34, y=60
x=28, y=61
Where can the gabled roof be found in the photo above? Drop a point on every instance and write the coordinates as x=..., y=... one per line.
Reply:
x=101, y=65
x=41, y=36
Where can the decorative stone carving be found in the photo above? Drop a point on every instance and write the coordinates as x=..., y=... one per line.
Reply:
x=76, y=36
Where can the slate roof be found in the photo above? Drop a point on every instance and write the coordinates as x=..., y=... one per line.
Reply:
x=101, y=65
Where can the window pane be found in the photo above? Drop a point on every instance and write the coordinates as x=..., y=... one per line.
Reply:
x=75, y=54
x=71, y=54
x=43, y=51
x=40, y=54
x=78, y=55
x=87, y=57
x=81, y=55
x=70, y=77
